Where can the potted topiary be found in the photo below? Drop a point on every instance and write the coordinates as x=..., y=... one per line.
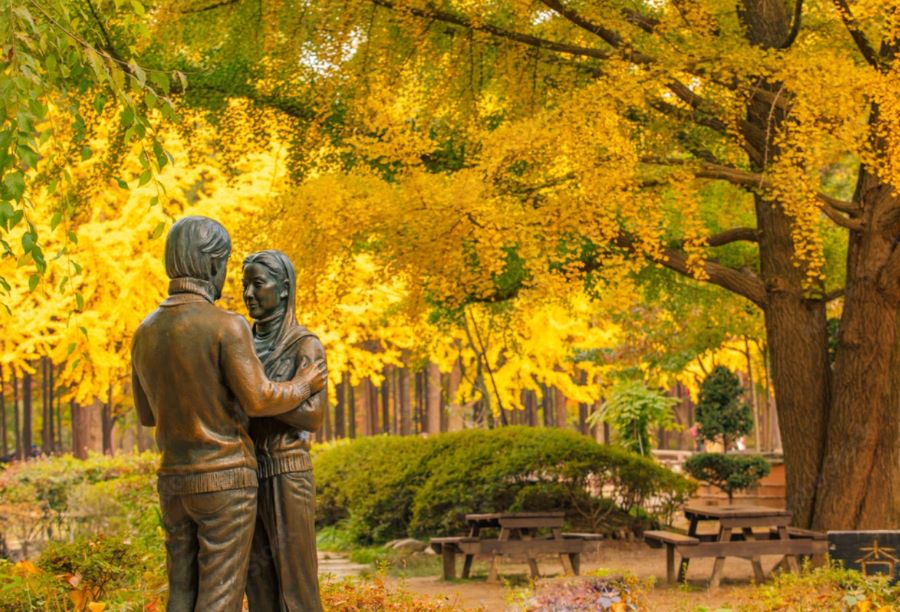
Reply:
x=723, y=416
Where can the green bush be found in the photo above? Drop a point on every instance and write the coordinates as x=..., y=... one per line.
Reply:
x=728, y=472
x=388, y=487
x=721, y=413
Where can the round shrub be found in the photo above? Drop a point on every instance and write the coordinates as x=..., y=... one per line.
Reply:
x=388, y=487
x=728, y=472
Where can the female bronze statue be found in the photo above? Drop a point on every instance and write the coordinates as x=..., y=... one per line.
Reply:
x=283, y=568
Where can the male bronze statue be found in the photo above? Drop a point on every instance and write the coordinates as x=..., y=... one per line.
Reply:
x=283, y=567
x=197, y=378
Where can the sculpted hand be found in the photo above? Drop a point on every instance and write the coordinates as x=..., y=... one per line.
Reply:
x=314, y=375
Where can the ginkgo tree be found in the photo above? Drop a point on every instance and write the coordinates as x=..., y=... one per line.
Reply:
x=529, y=142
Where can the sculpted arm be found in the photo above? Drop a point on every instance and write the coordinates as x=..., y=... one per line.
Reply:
x=244, y=375
x=308, y=416
x=140, y=399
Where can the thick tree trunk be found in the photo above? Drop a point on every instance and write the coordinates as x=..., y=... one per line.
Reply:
x=795, y=326
x=797, y=338
x=861, y=467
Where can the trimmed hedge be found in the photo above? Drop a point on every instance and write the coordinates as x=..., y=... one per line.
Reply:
x=388, y=487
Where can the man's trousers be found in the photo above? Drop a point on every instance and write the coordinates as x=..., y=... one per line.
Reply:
x=208, y=537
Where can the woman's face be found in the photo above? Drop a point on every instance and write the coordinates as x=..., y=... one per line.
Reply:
x=263, y=294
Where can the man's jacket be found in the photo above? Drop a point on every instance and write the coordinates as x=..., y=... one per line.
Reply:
x=196, y=377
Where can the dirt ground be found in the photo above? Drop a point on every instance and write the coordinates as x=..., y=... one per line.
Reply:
x=615, y=557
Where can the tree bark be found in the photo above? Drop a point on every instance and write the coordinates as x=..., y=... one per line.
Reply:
x=46, y=421
x=340, y=430
x=106, y=425
x=562, y=413
x=351, y=404
x=27, y=415
x=546, y=406
x=4, y=445
x=433, y=399
x=87, y=428
x=861, y=466
x=455, y=420
x=405, y=416
x=796, y=330
x=386, y=400
x=16, y=423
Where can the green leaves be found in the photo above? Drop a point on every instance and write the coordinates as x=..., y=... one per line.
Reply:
x=634, y=411
x=13, y=186
x=53, y=62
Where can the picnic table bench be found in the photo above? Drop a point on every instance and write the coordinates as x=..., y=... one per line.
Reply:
x=736, y=538
x=518, y=535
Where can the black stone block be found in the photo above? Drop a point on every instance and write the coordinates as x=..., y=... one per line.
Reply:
x=870, y=552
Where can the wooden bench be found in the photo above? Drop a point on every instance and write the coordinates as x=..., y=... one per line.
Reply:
x=571, y=545
x=673, y=541
x=801, y=542
x=448, y=548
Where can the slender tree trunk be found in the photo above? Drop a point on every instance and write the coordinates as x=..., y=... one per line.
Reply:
x=27, y=414
x=351, y=404
x=363, y=410
x=16, y=420
x=562, y=414
x=106, y=424
x=455, y=420
x=433, y=399
x=546, y=406
x=395, y=395
x=340, y=430
x=419, y=407
x=51, y=423
x=405, y=408
x=59, y=427
x=87, y=426
x=327, y=429
x=4, y=445
x=386, y=400
x=46, y=443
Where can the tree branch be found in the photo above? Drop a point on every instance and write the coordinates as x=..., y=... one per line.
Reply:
x=834, y=294
x=735, y=234
x=833, y=208
x=742, y=282
x=526, y=39
x=859, y=37
x=795, y=25
x=209, y=7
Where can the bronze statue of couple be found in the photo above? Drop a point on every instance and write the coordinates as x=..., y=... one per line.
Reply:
x=233, y=408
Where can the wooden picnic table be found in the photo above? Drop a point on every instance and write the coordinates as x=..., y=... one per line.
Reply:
x=736, y=538
x=518, y=534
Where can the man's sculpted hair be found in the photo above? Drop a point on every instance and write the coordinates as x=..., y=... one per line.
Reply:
x=193, y=244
